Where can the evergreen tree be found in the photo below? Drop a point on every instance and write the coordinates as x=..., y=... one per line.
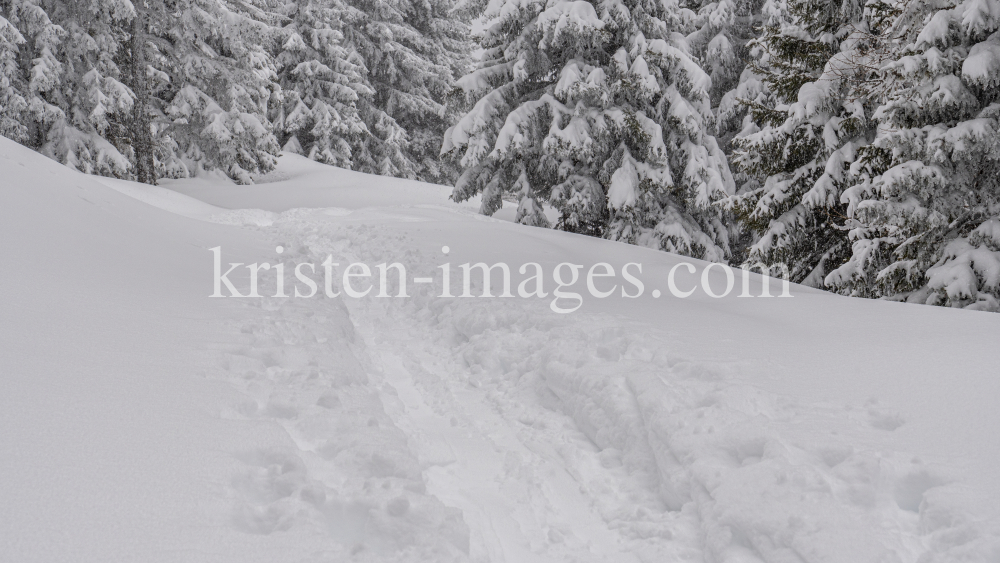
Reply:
x=925, y=205
x=58, y=79
x=365, y=83
x=213, y=83
x=91, y=94
x=446, y=44
x=165, y=88
x=140, y=90
x=12, y=101
x=815, y=63
x=32, y=72
x=322, y=83
x=724, y=29
x=411, y=52
x=600, y=110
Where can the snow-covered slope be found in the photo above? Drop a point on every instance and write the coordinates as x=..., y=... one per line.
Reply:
x=121, y=438
x=143, y=420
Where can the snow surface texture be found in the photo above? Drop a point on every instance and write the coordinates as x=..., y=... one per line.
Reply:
x=143, y=421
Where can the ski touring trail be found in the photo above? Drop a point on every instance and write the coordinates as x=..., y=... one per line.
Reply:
x=490, y=430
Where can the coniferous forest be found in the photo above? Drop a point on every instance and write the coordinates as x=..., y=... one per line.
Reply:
x=854, y=143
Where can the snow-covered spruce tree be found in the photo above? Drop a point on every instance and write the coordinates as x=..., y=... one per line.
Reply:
x=31, y=71
x=211, y=80
x=599, y=109
x=925, y=210
x=723, y=30
x=447, y=45
x=144, y=89
x=12, y=89
x=59, y=79
x=816, y=64
x=322, y=82
x=96, y=104
x=411, y=52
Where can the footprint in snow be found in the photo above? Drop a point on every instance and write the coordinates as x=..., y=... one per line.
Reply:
x=883, y=418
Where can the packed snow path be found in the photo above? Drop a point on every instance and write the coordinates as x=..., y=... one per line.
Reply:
x=494, y=430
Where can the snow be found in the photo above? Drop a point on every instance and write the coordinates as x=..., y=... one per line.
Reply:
x=569, y=77
x=982, y=67
x=980, y=15
x=113, y=447
x=624, y=185
x=935, y=32
x=566, y=15
x=641, y=70
x=962, y=268
x=989, y=231
x=700, y=81
x=163, y=198
x=145, y=421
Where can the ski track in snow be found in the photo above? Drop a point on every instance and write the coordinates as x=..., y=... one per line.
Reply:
x=436, y=429
x=352, y=478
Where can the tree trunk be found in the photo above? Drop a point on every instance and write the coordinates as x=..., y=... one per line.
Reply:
x=140, y=131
